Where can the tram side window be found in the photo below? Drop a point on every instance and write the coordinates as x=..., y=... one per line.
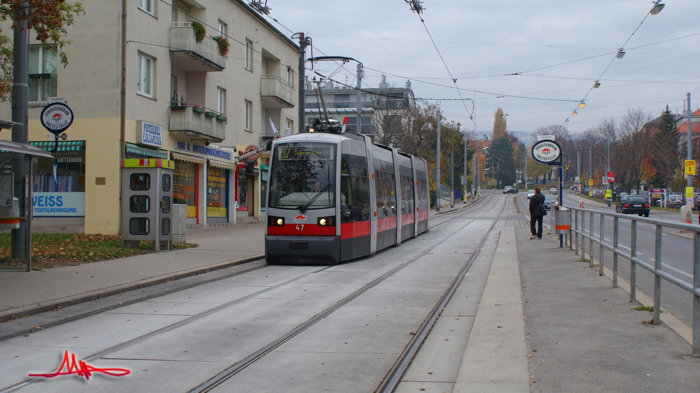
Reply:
x=354, y=189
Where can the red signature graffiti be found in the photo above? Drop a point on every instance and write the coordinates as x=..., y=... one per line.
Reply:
x=81, y=369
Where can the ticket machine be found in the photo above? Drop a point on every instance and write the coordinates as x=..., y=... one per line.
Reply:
x=147, y=201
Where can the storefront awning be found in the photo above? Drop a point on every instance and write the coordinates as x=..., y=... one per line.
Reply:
x=62, y=145
x=222, y=164
x=188, y=158
x=146, y=152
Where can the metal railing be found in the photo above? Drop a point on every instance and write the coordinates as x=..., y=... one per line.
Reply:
x=577, y=237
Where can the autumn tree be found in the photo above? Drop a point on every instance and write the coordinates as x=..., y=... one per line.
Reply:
x=48, y=19
x=500, y=157
x=499, y=124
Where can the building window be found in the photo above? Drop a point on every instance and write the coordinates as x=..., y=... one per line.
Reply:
x=290, y=127
x=249, y=55
x=42, y=73
x=148, y=6
x=248, y=116
x=290, y=76
x=144, y=84
x=223, y=28
x=221, y=101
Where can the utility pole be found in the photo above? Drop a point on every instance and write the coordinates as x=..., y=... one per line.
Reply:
x=359, y=98
x=437, y=167
x=688, y=141
x=452, y=170
x=590, y=162
x=20, y=133
x=465, y=169
x=303, y=43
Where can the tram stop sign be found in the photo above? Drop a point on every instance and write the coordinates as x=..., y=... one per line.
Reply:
x=56, y=118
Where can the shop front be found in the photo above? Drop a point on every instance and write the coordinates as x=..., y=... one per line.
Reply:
x=203, y=178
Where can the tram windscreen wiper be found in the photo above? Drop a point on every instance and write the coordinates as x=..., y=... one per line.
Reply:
x=302, y=209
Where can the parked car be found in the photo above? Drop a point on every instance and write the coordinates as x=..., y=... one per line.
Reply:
x=553, y=191
x=549, y=201
x=530, y=193
x=510, y=190
x=622, y=195
x=675, y=201
x=633, y=204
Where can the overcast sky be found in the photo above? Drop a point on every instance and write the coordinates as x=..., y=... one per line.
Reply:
x=559, y=48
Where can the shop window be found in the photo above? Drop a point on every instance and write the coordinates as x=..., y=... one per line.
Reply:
x=139, y=204
x=140, y=182
x=139, y=226
x=216, y=192
x=185, y=186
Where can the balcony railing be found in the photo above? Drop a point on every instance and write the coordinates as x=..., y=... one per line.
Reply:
x=275, y=92
x=193, y=56
x=192, y=119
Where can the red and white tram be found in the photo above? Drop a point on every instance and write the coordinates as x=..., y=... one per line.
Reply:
x=333, y=198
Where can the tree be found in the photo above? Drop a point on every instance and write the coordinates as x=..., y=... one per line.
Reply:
x=666, y=155
x=634, y=146
x=499, y=124
x=500, y=157
x=47, y=18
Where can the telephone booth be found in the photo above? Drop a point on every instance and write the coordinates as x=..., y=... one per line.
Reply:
x=147, y=202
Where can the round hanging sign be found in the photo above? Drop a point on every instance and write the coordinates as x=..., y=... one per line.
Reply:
x=254, y=152
x=546, y=152
x=56, y=117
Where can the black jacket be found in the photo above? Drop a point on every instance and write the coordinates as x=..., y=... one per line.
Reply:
x=537, y=199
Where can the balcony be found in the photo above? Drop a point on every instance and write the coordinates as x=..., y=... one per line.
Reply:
x=191, y=56
x=276, y=93
x=196, y=121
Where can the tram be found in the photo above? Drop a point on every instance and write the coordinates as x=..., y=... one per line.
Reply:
x=334, y=197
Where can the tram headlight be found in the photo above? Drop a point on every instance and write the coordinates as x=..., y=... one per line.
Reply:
x=276, y=221
x=326, y=221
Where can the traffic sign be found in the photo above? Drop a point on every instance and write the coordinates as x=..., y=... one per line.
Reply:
x=690, y=167
x=611, y=177
x=580, y=204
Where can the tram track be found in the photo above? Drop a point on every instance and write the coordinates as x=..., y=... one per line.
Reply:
x=393, y=378
x=412, y=347
x=229, y=372
x=202, y=279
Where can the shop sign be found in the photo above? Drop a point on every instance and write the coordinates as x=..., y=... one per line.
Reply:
x=58, y=204
x=187, y=147
x=149, y=134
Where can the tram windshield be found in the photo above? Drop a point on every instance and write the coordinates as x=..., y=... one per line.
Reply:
x=303, y=176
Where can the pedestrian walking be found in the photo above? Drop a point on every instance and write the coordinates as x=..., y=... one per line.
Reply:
x=537, y=213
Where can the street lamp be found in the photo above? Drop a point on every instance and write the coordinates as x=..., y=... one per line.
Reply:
x=657, y=7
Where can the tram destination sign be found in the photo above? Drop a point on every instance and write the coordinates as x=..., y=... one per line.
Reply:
x=547, y=152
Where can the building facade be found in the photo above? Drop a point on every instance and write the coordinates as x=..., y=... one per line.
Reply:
x=385, y=109
x=141, y=84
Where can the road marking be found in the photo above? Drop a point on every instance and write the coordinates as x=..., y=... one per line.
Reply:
x=677, y=270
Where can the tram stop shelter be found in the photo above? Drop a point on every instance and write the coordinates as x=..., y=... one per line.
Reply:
x=9, y=205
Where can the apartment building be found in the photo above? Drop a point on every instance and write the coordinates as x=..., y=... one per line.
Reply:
x=384, y=108
x=142, y=84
